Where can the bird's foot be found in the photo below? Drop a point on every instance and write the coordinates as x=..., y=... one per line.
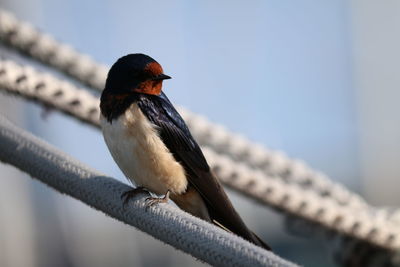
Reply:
x=126, y=196
x=150, y=201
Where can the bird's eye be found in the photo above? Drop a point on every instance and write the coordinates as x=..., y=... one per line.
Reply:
x=140, y=76
x=146, y=76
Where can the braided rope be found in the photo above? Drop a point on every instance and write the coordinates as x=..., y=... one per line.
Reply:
x=365, y=224
x=50, y=91
x=164, y=222
x=274, y=163
x=32, y=42
x=27, y=39
x=362, y=224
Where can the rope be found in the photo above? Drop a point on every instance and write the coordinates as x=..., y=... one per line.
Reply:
x=274, y=163
x=365, y=224
x=49, y=91
x=292, y=199
x=28, y=40
x=164, y=222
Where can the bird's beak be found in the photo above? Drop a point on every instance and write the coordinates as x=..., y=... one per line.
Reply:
x=160, y=77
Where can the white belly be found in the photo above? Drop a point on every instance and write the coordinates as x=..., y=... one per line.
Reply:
x=141, y=154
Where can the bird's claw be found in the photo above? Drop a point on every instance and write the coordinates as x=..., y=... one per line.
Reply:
x=151, y=201
x=127, y=195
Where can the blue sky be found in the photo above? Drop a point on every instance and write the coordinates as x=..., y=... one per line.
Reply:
x=279, y=72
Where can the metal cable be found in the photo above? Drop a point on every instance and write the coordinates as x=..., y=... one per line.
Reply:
x=365, y=224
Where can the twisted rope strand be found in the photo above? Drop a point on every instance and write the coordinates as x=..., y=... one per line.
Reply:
x=30, y=41
x=361, y=224
x=364, y=223
x=196, y=237
x=49, y=91
x=274, y=163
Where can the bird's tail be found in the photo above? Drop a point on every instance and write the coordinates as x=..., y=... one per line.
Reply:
x=258, y=241
x=220, y=209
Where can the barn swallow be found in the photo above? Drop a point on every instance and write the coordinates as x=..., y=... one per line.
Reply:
x=154, y=148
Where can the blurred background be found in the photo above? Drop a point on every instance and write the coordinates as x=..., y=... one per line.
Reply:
x=316, y=79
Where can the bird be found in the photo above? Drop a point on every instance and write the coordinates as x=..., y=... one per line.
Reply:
x=154, y=148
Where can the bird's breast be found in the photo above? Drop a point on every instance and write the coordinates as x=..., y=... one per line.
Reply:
x=140, y=153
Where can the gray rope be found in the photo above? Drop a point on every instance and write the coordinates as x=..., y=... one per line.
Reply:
x=362, y=223
x=164, y=222
x=44, y=48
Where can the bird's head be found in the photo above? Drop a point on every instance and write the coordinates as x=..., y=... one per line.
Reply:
x=136, y=73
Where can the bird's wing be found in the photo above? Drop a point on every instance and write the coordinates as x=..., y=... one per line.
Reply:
x=176, y=136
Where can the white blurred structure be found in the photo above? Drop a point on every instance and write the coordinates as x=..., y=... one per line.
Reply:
x=376, y=34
